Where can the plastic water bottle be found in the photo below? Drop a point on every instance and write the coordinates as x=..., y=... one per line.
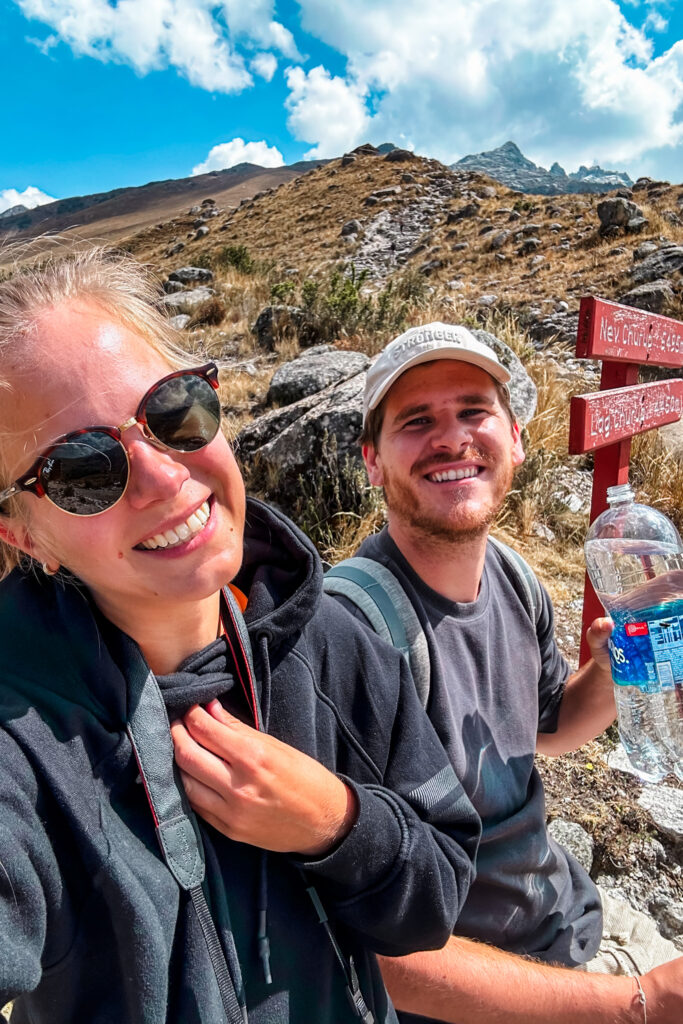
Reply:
x=634, y=556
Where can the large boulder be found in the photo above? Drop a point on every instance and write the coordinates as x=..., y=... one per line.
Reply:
x=313, y=371
x=617, y=212
x=523, y=394
x=667, y=261
x=653, y=296
x=285, y=444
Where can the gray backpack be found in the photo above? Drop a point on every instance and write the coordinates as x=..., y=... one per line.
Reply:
x=377, y=593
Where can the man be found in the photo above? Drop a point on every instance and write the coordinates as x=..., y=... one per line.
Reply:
x=439, y=436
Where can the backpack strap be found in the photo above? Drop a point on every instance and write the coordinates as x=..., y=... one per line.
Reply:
x=377, y=593
x=521, y=572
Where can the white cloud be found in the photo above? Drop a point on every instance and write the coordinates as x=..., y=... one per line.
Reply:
x=227, y=154
x=30, y=197
x=326, y=109
x=264, y=65
x=203, y=40
x=458, y=76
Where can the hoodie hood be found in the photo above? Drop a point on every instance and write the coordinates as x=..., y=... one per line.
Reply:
x=281, y=574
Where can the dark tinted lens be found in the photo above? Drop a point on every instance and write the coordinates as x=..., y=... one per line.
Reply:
x=86, y=474
x=184, y=413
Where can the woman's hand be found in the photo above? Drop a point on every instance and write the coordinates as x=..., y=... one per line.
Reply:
x=256, y=789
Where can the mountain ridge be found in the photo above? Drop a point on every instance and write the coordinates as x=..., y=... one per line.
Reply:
x=508, y=165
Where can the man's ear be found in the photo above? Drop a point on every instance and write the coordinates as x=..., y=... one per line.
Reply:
x=373, y=464
x=518, y=455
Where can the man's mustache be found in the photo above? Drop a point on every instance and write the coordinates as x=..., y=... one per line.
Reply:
x=470, y=454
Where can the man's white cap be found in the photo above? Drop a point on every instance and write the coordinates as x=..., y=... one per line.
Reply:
x=422, y=345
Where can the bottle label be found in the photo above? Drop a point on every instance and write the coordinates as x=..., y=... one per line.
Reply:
x=646, y=647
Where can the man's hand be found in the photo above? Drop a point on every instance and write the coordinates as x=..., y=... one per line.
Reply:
x=587, y=706
x=256, y=789
x=597, y=638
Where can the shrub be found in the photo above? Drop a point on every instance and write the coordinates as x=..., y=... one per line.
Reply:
x=282, y=291
x=236, y=257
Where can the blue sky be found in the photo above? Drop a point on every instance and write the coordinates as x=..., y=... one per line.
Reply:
x=100, y=94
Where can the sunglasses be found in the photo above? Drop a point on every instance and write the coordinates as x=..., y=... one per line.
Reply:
x=86, y=472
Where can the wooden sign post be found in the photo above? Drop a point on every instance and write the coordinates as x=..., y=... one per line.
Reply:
x=604, y=422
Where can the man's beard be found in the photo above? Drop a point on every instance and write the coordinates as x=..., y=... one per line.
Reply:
x=460, y=524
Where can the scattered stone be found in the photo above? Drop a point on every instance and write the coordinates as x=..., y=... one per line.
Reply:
x=575, y=839
x=366, y=149
x=187, y=275
x=665, y=806
x=312, y=372
x=277, y=323
x=348, y=158
x=352, y=227
x=430, y=266
x=175, y=249
x=636, y=225
x=370, y=201
x=208, y=202
x=193, y=211
x=515, y=215
x=487, y=300
x=399, y=156
x=460, y=246
x=180, y=321
x=172, y=286
x=487, y=229
x=469, y=210
x=644, y=249
x=544, y=532
x=535, y=260
x=201, y=232
x=573, y=489
x=529, y=246
x=455, y=285
x=531, y=229
x=407, y=178
x=654, y=296
x=187, y=301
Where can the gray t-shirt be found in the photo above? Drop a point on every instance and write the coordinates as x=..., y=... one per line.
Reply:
x=496, y=680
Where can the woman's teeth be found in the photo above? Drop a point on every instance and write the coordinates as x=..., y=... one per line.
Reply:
x=181, y=533
x=453, y=474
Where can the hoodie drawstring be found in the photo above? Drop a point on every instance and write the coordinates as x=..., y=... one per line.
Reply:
x=262, y=938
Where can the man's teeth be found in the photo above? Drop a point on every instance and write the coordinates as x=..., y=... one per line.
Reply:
x=453, y=474
x=180, y=533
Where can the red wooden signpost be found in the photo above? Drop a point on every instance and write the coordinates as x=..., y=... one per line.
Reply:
x=604, y=422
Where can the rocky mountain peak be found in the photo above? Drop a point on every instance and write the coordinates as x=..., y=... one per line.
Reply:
x=508, y=165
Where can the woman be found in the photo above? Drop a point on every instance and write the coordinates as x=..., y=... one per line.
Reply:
x=124, y=519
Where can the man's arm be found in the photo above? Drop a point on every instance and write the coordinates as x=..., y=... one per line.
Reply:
x=587, y=706
x=469, y=981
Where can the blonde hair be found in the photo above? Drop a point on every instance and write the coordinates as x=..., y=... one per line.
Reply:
x=101, y=276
